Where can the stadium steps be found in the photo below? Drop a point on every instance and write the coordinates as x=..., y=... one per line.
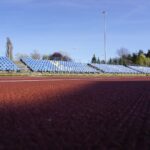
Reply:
x=99, y=70
x=135, y=69
x=58, y=65
x=141, y=69
x=22, y=66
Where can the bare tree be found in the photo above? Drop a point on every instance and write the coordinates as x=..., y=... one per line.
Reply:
x=9, y=49
x=122, y=52
x=45, y=57
x=20, y=56
x=36, y=55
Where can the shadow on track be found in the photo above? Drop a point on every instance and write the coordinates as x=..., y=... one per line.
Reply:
x=100, y=115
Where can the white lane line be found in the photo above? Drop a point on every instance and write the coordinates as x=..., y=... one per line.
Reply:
x=52, y=80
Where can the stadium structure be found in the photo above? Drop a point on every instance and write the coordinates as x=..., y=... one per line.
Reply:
x=52, y=66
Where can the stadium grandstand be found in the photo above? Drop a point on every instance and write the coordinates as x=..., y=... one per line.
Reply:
x=106, y=68
x=58, y=66
x=7, y=65
x=141, y=69
x=53, y=66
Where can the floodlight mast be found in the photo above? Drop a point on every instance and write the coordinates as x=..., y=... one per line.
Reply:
x=104, y=13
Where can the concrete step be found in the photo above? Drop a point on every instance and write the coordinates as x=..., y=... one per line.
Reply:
x=22, y=66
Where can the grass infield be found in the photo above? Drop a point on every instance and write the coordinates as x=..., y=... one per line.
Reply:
x=34, y=74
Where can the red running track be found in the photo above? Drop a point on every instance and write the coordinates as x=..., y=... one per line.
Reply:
x=75, y=114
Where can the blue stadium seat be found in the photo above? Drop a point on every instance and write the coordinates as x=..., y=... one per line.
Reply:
x=7, y=65
x=141, y=69
x=107, y=68
x=74, y=67
x=57, y=66
x=40, y=65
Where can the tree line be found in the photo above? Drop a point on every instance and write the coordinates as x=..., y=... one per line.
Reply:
x=59, y=56
x=35, y=54
x=125, y=58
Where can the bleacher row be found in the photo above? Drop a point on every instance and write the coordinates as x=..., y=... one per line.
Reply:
x=70, y=67
x=114, y=68
x=7, y=65
x=58, y=66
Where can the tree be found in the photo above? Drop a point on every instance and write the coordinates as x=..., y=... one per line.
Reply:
x=20, y=56
x=56, y=56
x=148, y=53
x=120, y=61
x=147, y=61
x=125, y=58
x=123, y=53
x=59, y=57
x=9, y=49
x=116, y=61
x=140, y=52
x=35, y=55
x=66, y=58
x=45, y=57
x=98, y=61
x=93, y=59
x=141, y=59
x=134, y=58
x=128, y=60
x=110, y=61
x=102, y=61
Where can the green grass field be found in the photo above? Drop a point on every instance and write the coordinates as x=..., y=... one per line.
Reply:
x=33, y=74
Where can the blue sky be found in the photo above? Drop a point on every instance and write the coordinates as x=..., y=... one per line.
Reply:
x=74, y=26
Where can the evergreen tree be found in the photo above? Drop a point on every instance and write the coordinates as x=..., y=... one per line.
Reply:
x=110, y=61
x=98, y=61
x=93, y=59
x=148, y=53
x=140, y=52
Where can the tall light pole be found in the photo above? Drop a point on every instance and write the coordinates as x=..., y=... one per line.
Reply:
x=104, y=14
